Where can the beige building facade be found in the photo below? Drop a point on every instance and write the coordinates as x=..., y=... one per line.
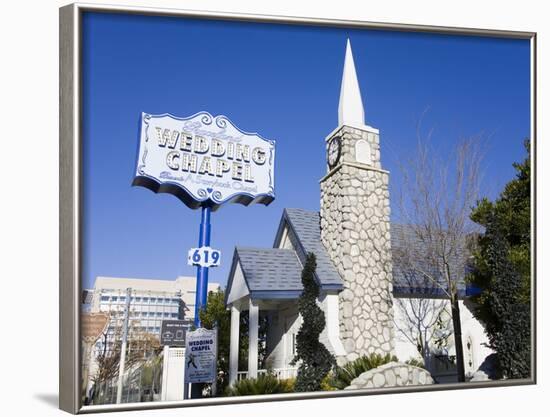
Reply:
x=153, y=300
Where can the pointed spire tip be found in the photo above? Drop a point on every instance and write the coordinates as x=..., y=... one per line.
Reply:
x=350, y=108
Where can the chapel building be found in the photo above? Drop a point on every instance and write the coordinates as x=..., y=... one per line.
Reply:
x=353, y=240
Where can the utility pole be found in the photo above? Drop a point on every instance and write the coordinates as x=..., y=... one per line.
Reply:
x=123, y=346
x=202, y=271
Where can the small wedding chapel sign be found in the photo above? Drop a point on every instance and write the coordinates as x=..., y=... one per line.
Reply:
x=201, y=351
x=204, y=160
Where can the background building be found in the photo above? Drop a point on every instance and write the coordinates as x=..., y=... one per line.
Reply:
x=151, y=302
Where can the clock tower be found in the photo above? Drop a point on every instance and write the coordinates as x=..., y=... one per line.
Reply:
x=355, y=225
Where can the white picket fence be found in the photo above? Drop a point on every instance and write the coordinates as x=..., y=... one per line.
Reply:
x=280, y=373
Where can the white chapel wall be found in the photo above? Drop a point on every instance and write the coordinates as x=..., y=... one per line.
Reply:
x=472, y=331
x=285, y=322
x=275, y=344
x=330, y=336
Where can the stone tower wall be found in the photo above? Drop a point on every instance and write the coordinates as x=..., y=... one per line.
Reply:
x=355, y=229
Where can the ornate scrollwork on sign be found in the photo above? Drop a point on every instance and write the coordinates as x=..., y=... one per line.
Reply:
x=146, y=119
x=206, y=119
x=271, y=188
x=217, y=195
x=202, y=193
x=221, y=122
x=143, y=158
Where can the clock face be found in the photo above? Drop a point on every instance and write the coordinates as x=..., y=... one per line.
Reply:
x=334, y=151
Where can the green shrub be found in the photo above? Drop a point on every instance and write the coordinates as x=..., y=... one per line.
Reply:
x=288, y=384
x=342, y=376
x=315, y=360
x=326, y=383
x=264, y=384
x=419, y=363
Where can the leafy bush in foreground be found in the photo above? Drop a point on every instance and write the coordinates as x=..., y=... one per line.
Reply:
x=419, y=363
x=342, y=376
x=264, y=384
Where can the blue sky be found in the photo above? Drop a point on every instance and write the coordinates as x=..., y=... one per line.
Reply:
x=283, y=82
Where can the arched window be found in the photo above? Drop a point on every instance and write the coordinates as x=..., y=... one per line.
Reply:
x=362, y=152
x=470, y=360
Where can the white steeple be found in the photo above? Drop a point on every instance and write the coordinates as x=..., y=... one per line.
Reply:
x=350, y=108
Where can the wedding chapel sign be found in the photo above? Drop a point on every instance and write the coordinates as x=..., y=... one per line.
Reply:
x=204, y=160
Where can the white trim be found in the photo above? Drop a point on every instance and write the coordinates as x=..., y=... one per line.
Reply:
x=238, y=289
x=284, y=238
x=280, y=373
x=355, y=165
x=333, y=324
x=366, y=128
x=253, y=313
x=234, y=345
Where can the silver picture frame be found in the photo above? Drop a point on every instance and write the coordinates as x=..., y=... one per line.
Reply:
x=71, y=185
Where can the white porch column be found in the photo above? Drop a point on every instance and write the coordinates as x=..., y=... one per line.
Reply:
x=253, y=312
x=333, y=324
x=234, y=345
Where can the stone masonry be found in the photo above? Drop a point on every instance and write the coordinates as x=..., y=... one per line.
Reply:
x=355, y=230
x=393, y=374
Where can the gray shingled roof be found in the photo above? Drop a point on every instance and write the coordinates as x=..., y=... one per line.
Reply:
x=270, y=269
x=279, y=270
x=307, y=227
x=409, y=281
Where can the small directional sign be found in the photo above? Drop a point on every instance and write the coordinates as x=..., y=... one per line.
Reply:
x=205, y=257
x=173, y=332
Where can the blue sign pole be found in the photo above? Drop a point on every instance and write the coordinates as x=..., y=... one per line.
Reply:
x=202, y=271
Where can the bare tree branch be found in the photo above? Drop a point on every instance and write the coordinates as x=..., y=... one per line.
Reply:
x=435, y=198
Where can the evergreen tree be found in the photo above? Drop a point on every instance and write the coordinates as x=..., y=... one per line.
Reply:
x=510, y=330
x=215, y=315
x=316, y=360
x=502, y=271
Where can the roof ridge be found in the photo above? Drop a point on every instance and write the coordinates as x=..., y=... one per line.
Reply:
x=262, y=248
x=306, y=228
x=301, y=208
